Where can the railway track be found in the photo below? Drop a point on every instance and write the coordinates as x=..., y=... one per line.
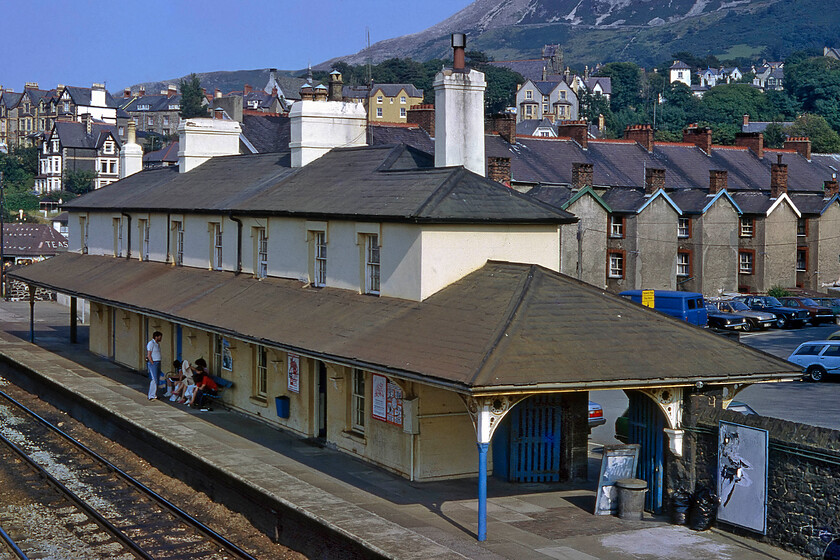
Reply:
x=68, y=497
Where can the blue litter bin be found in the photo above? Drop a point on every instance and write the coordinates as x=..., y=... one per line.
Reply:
x=282, y=406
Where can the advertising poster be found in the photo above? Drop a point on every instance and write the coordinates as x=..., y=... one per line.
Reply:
x=742, y=476
x=379, y=393
x=394, y=412
x=227, y=357
x=294, y=373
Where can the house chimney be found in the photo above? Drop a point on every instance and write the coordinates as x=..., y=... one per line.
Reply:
x=831, y=187
x=316, y=127
x=131, y=154
x=641, y=133
x=336, y=86
x=97, y=95
x=248, y=89
x=746, y=120
x=459, y=114
x=778, y=178
x=200, y=139
x=306, y=92
x=30, y=85
x=142, y=90
x=602, y=123
x=321, y=92
x=576, y=130
x=699, y=136
x=459, y=43
x=802, y=145
x=654, y=180
x=217, y=93
x=127, y=92
x=86, y=122
x=498, y=169
x=581, y=175
x=717, y=180
x=171, y=90
x=752, y=140
x=505, y=125
x=423, y=116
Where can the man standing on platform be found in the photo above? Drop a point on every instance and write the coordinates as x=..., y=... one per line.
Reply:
x=153, y=358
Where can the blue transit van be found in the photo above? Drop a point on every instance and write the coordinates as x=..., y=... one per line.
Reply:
x=688, y=306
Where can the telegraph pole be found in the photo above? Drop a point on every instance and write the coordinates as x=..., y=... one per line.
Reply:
x=2, y=241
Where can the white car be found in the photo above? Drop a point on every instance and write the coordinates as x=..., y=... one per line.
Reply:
x=817, y=358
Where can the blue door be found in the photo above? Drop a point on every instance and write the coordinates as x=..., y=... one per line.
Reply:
x=646, y=426
x=535, y=442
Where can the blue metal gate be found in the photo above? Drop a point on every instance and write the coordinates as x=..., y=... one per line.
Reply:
x=646, y=425
x=535, y=442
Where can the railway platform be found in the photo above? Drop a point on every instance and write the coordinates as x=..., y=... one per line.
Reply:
x=360, y=509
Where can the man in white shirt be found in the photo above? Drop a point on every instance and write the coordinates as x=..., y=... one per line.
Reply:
x=153, y=359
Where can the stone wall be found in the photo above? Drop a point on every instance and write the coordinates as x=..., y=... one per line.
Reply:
x=803, y=473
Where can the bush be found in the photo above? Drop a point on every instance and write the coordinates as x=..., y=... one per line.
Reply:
x=778, y=291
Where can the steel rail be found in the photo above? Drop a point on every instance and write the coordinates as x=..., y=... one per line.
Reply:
x=206, y=531
x=12, y=545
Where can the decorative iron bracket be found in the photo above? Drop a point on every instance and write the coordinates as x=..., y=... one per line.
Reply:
x=729, y=391
x=670, y=401
x=487, y=412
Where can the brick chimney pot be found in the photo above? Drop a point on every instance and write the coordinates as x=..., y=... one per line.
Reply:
x=498, y=169
x=654, y=180
x=581, y=175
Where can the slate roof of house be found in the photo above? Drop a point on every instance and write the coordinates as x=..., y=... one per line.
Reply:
x=556, y=195
x=408, y=134
x=604, y=82
x=262, y=99
x=761, y=126
x=167, y=154
x=159, y=102
x=679, y=65
x=489, y=331
x=32, y=240
x=811, y=203
x=388, y=90
x=690, y=201
x=386, y=183
x=625, y=200
x=529, y=126
x=10, y=99
x=73, y=134
x=752, y=202
x=267, y=133
x=81, y=96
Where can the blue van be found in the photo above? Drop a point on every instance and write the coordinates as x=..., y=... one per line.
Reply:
x=688, y=306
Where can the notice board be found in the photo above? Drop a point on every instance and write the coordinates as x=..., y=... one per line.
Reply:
x=617, y=462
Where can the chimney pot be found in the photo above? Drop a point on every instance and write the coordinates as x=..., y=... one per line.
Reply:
x=459, y=44
x=641, y=133
x=654, y=180
x=802, y=145
x=746, y=119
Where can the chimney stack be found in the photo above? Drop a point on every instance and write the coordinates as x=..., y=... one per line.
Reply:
x=641, y=133
x=718, y=180
x=802, y=145
x=142, y=90
x=131, y=154
x=97, y=95
x=422, y=115
x=752, y=140
x=498, y=169
x=200, y=139
x=171, y=90
x=127, y=92
x=505, y=125
x=248, y=89
x=654, y=180
x=746, y=120
x=459, y=114
x=699, y=136
x=217, y=93
x=778, y=178
x=831, y=187
x=86, y=122
x=576, y=130
x=336, y=86
x=581, y=175
x=306, y=92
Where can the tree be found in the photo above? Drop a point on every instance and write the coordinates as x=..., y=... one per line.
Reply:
x=823, y=138
x=626, y=84
x=592, y=106
x=774, y=135
x=726, y=104
x=79, y=182
x=815, y=84
x=192, y=98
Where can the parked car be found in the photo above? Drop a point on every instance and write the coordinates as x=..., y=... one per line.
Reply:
x=755, y=319
x=819, y=313
x=596, y=415
x=817, y=358
x=688, y=306
x=622, y=423
x=833, y=336
x=785, y=316
x=728, y=321
x=832, y=303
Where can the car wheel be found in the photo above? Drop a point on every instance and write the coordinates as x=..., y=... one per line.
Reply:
x=781, y=322
x=749, y=326
x=815, y=373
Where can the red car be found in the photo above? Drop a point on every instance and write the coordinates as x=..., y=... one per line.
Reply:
x=818, y=313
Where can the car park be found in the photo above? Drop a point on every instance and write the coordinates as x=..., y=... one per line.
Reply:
x=818, y=313
x=688, y=306
x=817, y=358
x=727, y=321
x=755, y=319
x=596, y=415
x=785, y=316
x=832, y=303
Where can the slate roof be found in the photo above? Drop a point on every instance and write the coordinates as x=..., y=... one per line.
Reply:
x=691, y=201
x=410, y=135
x=529, y=126
x=267, y=133
x=679, y=65
x=32, y=240
x=604, y=82
x=155, y=102
x=388, y=90
x=625, y=201
x=504, y=327
x=761, y=126
x=73, y=134
x=811, y=203
x=81, y=96
x=167, y=154
x=752, y=202
x=387, y=183
x=10, y=99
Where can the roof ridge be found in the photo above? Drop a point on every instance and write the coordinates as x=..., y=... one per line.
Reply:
x=443, y=189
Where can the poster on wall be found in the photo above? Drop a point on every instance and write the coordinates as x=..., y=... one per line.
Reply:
x=227, y=357
x=394, y=404
x=742, y=476
x=379, y=394
x=294, y=373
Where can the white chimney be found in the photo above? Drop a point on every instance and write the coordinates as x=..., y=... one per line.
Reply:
x=97, y=95
x=319, y=126
x=131, y=154
x=200, y=139
x=459, y=113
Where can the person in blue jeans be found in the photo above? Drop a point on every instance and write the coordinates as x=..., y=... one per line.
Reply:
x=153, y=358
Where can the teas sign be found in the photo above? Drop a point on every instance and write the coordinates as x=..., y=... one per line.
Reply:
x=387, y=400
x=294, y=373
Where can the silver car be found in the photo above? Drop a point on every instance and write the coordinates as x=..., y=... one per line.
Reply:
x=755, y=319
x=817, y=358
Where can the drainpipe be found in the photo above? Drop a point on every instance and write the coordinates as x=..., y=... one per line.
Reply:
x=238, y=243
x=168, y=234
x=128, y=237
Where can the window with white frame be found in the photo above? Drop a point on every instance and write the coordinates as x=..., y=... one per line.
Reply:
x=683, y=227
x=108, y=147
x=145, y=234
x=261, y=372
x=529, y=94
x=178, y=243
x=402, y=112
x=118, y=237
x=745, y=262
x=357, y=404
x=747, y=226
x=216, y=242
x=562, y=94
x=402, y=99
x=150, y=121
x=617, y=226
x=372, y=264
x=319, y=258
x=261, y=268
x=379, y=99
x=683, y=264
x=616, y=265
x=379, y=112
x=802, y=259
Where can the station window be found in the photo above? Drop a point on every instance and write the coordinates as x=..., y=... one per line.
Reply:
x=357, y=404
x=372, y=264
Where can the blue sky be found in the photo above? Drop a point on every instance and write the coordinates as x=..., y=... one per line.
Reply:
x=127, y=42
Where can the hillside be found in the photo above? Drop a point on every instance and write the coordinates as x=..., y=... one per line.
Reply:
x=235, y=80
x=642, y=31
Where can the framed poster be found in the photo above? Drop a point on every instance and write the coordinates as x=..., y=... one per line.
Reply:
x=394, y=404
x=294, y=373
x=379, y=394
x=227, y=357
x=742, y=476
x=617, y=462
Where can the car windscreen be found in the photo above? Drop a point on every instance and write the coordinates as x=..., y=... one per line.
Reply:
x=809, y=301
x=809, y=350
x=772, y=302
x=739, y=305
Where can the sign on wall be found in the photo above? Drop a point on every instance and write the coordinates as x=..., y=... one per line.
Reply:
x=648, y=298
x=227, y=357
x=617, y=462
x=294, y=373
x=387, y=400
x=742, y=476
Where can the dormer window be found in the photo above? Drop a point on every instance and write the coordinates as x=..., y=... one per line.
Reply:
x=143, y=107
x=174, y=107
x=108, y=147
x=379, y=100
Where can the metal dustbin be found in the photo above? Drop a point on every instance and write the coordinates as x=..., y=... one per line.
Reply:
x=631, y=497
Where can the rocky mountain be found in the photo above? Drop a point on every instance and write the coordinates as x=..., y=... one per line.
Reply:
x=235, y=80
x=643, y=31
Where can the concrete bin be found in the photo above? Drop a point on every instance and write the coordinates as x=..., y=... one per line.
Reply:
x=631, y=497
